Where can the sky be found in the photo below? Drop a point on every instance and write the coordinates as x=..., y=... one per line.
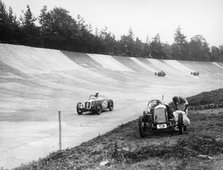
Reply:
x=144, y=17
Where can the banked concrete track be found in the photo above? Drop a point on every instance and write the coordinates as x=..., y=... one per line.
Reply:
x=37, y=83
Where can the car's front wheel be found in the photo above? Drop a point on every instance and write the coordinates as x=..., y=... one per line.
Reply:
x=142, y=127
x=110, y=105
x=78, y=108
x=180, y=123
x=98, y=110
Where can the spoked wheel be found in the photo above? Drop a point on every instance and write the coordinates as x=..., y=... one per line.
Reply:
x=98, y=110
x=78, y=108
x=180, y=123
x=142, y=127
x=110, y=105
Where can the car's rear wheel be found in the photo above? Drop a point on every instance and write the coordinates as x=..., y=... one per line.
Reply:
x=142, y=127
x=98, y=110
x=110, y=105
x=180, y=123
x=78, y=108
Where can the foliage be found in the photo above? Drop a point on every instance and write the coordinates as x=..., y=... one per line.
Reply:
x=156, y=47
x=127, y=44
x=167, y=51
x=57, y=29
x=9, y=26
x=180, y=46
x=216, y=54
x=199, y=49
x=29, y=30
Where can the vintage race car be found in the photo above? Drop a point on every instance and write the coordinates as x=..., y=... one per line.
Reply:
x=195, y=73
x=158, y=116
x=96, y=104
x=160, y=73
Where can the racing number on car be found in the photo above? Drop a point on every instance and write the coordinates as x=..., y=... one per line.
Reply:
x=104, y=104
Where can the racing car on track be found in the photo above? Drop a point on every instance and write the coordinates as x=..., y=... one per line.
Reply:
x=158, y=116
x=96, y=103
x=160, y=73
x=195, y=73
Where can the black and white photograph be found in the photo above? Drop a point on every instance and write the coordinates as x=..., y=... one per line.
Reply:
x=111, y=84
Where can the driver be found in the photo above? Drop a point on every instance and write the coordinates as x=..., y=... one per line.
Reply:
x=181, y=103
x=181, y=106
x=96, y=94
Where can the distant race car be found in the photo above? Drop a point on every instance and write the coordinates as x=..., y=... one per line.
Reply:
x=160, y=73
x=158, y=116
x=95, y=103
x=195, y=73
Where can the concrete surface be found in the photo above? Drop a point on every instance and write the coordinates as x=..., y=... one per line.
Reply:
x=37, y=83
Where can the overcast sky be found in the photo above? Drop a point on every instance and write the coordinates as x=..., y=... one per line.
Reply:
x=145, y=17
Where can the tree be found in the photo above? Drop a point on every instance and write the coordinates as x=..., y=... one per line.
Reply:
x=127, y=47
x=221, y=52
x=108, y=42
x=199, y=49
x=58, y=29
x=3, y=22
x=46, y=27
x=180, y=46
x=9, y=25
x=167, y=51
x=215, y=54
x=146, y=50
x=29, y=29
x=85, y=36
x=156, y=47
x=139, y=48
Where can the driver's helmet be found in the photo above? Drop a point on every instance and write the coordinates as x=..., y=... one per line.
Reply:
x=96, y=94
x=176, y=100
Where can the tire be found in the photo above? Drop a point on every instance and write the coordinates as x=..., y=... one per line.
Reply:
x=110, y=105
x=180, y=123
x=79, y=111
x=98, y=110
x=142, y=127
x=185, y=128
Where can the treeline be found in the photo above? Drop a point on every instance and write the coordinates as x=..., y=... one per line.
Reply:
x=57, y=29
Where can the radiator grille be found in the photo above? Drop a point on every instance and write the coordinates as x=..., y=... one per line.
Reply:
x=160, y=115
x=87, y=105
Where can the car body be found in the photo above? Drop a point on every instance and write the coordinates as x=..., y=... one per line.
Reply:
x=158, y=116
x=160, y=73
x=95, y=103
x=195, y=73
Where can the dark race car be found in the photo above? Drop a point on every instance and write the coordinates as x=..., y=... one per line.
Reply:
x=160, y=73
x=195, y=73
x=158, y=116
x=95, y=103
